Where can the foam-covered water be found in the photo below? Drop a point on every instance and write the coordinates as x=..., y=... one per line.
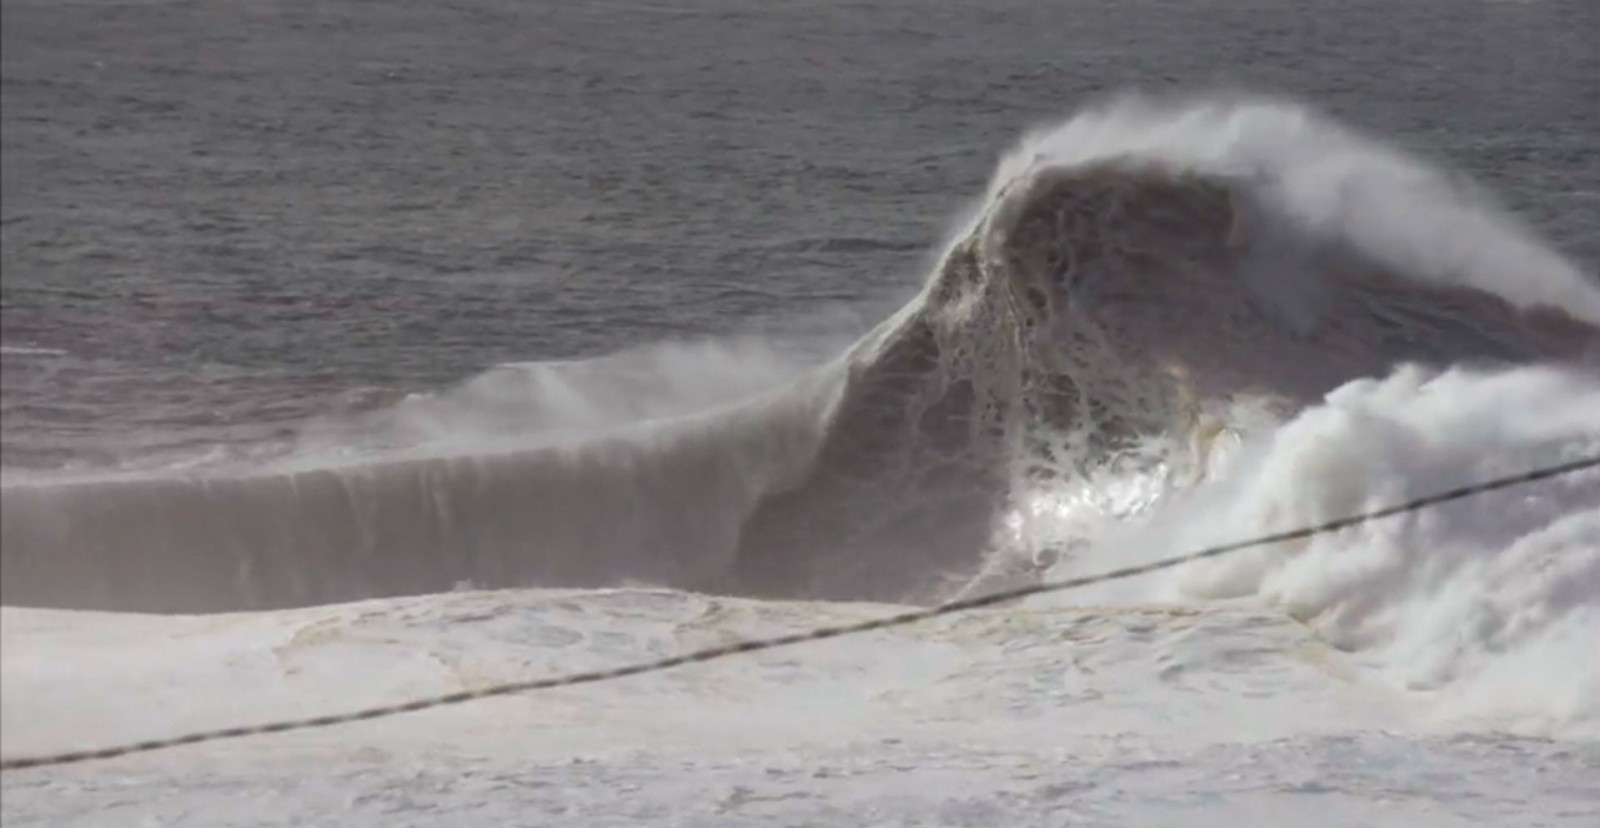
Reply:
x=1167, y=322
x=1493, y=600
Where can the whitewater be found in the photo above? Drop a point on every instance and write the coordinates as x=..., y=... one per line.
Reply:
x=1166, y=323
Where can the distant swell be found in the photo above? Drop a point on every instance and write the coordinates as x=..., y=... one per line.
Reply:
x=1138, y=281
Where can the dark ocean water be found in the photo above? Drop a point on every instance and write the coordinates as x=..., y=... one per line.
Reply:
x=220, y=219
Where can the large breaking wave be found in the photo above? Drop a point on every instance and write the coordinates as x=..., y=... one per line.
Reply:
x=1145, y=295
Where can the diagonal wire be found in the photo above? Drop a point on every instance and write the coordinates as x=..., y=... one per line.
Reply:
x=820, y=634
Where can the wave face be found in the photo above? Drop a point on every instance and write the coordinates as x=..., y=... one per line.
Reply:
x=1140, y=287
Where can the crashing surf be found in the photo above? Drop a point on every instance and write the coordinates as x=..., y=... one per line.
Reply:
x=1141, y=286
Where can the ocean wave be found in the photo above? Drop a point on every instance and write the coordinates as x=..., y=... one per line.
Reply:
x=1138, y=287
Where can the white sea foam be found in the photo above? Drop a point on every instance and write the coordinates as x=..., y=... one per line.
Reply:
x=1491, y=604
